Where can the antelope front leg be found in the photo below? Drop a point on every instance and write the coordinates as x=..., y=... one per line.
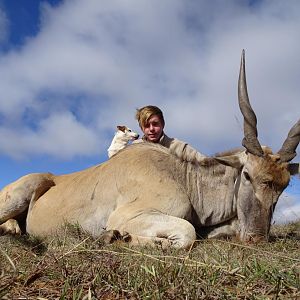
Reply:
x=152, y=228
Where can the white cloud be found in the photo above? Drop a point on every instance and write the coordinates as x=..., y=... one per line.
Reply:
x=101, y=61
x=59, y=135
x=287, y=209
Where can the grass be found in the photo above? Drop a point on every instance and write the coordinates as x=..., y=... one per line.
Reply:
x=76, y=266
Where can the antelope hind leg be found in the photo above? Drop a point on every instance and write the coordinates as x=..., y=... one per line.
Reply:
x=15, y=197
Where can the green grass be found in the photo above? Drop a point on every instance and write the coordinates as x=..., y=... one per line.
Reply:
x=76, y=266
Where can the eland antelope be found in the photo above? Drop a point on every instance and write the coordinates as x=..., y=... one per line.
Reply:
x=146, y=195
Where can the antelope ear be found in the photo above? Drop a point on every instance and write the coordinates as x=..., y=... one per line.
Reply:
x=294, y=168
x=236, y=160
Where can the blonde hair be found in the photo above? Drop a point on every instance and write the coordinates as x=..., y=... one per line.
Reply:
x=145, y=113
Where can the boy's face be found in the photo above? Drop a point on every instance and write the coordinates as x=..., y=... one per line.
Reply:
x=153, y=130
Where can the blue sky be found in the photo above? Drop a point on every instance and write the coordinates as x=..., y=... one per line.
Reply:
x=23, y=18
x=70, y=71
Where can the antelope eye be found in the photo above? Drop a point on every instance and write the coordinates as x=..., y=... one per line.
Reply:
x=246, y=175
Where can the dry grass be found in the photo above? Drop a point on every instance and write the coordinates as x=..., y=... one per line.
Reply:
x=75, y=266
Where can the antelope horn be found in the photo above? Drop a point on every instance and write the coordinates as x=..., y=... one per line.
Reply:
x=288, y=149
x=250, y=141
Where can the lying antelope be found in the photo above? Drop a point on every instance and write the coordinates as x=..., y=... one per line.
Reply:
x=147, y=195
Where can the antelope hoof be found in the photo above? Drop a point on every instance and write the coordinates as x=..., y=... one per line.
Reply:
x=11, y=226
x=110, y=236
x=126, y=237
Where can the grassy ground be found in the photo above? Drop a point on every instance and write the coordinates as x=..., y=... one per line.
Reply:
x=75, y=266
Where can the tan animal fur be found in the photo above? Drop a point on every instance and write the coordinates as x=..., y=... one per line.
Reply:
x=146, y=195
